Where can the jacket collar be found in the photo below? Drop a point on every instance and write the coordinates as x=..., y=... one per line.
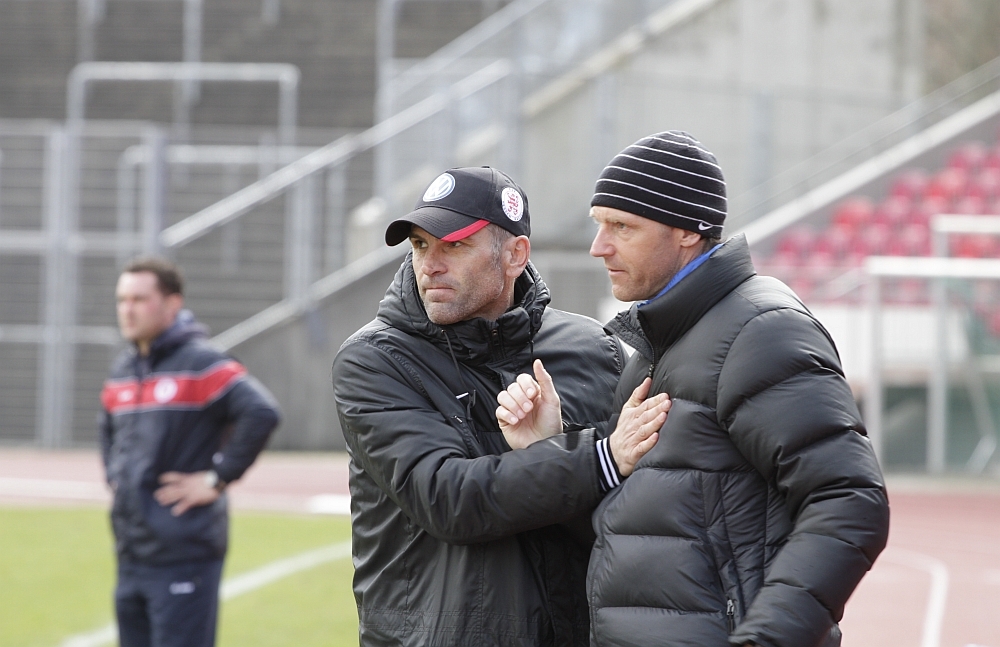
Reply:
x=654, y=328
x=474, y=341
x=184, y=329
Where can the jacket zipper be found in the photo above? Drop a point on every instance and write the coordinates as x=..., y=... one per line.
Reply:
x=731, y=614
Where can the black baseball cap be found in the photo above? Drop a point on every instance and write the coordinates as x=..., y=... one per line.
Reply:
x=460, y=202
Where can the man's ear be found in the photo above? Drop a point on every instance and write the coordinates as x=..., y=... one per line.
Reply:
x=689, y=239
x=175, y=303
x=516, y=254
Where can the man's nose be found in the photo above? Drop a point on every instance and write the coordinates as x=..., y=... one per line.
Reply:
x=600, y=247
x=434, y=262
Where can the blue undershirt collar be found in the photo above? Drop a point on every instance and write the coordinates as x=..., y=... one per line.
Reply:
x=687, y=269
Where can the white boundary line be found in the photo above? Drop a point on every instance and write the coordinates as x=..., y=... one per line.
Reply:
x=938, y=596
x=236, y=586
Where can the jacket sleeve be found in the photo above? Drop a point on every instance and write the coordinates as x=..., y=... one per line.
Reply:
x=787, y=407
x=254, y=414
x=423, y=462
x=106, y=428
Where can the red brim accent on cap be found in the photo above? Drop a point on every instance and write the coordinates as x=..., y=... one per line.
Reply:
x=465, y=232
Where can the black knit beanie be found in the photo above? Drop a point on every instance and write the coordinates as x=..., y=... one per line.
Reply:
x=668, y=177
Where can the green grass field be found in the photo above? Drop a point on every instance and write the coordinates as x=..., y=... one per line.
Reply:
x=57, y=575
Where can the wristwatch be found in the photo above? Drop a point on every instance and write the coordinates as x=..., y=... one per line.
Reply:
x=212, y=480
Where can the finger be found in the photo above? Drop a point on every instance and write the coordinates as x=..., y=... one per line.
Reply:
x=545, y=382
x=518, y=398
x=528, y=385
x=180, y=508
x=167, y=495
x=639, y=394
x=660, y=409
x=509, y=407
x=170, y=477
x=642, y=448
x=505, y=414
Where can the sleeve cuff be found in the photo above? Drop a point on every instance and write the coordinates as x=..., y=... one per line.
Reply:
x=607, y=470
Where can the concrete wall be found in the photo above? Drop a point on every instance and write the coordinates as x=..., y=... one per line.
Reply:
x=764, y=84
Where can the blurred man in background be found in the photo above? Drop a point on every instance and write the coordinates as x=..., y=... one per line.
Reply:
x=456, y=539
x=180, y=422
x=755, y=516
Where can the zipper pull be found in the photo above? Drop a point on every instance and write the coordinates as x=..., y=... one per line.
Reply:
x=731, y=614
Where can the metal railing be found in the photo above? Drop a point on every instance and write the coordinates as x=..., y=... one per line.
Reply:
x=542, y=38
x=349, y=147
x=864, y=145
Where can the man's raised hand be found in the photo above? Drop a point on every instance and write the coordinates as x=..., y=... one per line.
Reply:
x=529, y=409
x=638, y=427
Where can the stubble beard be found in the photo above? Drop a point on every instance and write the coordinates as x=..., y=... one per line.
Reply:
x=469, y=299
x=626, y=292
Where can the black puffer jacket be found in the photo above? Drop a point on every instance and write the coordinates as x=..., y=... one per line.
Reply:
x=761, y=506
x=185, y=407
x=456, y=539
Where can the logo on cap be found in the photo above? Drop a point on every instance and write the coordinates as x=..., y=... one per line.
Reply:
x=512, y=203
x=443, y=185
x=704, y=226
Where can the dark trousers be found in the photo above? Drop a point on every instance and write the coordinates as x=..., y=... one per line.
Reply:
x=168, y=606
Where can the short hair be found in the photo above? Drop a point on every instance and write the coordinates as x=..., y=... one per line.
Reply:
x=708, y=242
x=168, y=276
x=498, y=236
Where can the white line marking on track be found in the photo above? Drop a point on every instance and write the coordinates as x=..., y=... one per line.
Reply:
x=53, y=489
x=236, y=586
x=938, y=596
x=330, y=504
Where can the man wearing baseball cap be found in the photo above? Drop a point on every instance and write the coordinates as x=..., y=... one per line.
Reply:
x=456, y=539
x=761, y=507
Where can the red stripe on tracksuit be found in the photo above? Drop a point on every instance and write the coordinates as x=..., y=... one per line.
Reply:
x=171, y=390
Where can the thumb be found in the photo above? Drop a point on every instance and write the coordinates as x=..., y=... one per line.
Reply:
x=545, y=382
x=639, y=394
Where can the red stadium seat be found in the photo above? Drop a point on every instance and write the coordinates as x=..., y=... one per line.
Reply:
x=973, y=246
x=986, y=184
x=910, y=184
x=782, y=260
x=916, y=240
x=853, y=213
x=968, y=157
x=894, y=211
x=834, y=240
x=948, y=185
x=798, y=241
x=927, y=209
x=970, y=205
x=875, y=239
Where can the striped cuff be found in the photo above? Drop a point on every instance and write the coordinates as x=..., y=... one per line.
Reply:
x=607, y=470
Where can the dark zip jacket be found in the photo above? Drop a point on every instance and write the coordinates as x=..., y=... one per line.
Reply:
x=761, y=506
x=185, y=407
x=456, y=539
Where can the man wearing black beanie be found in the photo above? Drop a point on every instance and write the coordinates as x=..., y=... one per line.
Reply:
x=761, y=506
